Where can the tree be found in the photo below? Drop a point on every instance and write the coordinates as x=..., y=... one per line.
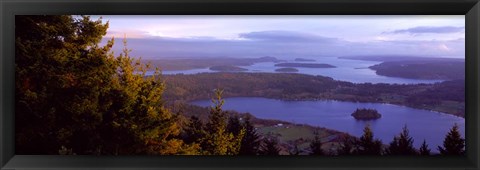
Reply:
x=424, y=149
x=402, y=144
x=270, y=146
x=218, y=140
x=367, y=145
x=453, y=144
x=316, y=144
x=73, y=95
x=61, y=77
x=347, y=145
x=251, y=141
x=234, y=125
x=194, y=131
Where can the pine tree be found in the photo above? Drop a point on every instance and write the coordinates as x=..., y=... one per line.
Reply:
x=402, y=144
x=218, y=140
x=367, y=145
x=453, y=143
x=316, y=145
x=234, y=125
x=71, y=94
x=251, y=141
x=270, y=146
x=194, y=131
x=347, y=145
x=424, y=149
x=61, y=77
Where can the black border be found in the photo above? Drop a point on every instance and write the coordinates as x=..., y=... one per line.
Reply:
x=10, y=8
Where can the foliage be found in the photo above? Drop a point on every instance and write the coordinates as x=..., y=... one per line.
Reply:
x=316, y=145
x=367, y=145
x=402, y=144
x=270, y=146
x=234, y=126
x=194, y=131
x=366, y=114
x=251, y=141
x=424, y=149
x=72, y=93
x=347, y=146
x=218, y=141
x=60, y=83
x=286, y=87
x=453, y=143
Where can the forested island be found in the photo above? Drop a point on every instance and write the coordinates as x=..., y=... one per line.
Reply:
x=422, y=69
x=227, y=68
x=306, y=65
x=416, y=67
x=168, y=64
x=366, y=114
x=304, y=59
x=287, y=70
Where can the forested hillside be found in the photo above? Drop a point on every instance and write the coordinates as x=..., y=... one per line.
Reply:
x=306, y=87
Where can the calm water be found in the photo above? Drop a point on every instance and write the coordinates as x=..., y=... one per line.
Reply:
x=346, y=70
x=422, y=124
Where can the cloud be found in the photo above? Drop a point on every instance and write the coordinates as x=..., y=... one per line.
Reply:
x=427, y=29
x=285, y=36
x=285, y=44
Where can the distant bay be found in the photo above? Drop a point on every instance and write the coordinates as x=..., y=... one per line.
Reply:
x=355, y=71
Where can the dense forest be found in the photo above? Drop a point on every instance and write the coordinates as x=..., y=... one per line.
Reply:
x=74, y=97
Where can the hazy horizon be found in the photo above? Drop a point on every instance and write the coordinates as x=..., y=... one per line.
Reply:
x=288, y=37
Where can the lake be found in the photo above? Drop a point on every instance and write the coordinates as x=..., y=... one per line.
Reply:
x=355, y=71
x=422, y=124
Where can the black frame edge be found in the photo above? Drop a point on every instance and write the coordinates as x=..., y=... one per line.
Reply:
x=472, y=45
x=10, y=161
x=6, y=120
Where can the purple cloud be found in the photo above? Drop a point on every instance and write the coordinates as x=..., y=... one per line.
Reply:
x=285, y=36
x=425, y=29
x=284, y=44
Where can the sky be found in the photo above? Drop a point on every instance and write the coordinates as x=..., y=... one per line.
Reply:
x=283, y=36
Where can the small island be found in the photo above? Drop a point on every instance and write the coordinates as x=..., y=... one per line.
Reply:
x=307, y=65
x=227, y=68
x=304, y=59
x=287, y=70
x=366, y=114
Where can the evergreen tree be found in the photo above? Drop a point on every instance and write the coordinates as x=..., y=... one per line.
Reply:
x=61, y=76
x=194, y=131
x=453, y=144
x=424, y=149
x=367, y=145
x=347, y=146
x=234, y=125
x=402, y=144
x=218, y=141
x=251, y=141
x=270, y=146
x=73, y=95
x=316, y=145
